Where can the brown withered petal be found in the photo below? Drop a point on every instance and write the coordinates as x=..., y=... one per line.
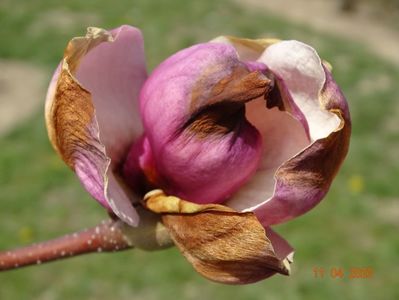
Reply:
x=73, y=123
x=222, y=245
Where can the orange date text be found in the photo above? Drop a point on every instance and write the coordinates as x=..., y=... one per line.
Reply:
x=341, y=273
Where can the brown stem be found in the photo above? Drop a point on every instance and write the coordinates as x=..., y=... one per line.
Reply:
x=107, y=237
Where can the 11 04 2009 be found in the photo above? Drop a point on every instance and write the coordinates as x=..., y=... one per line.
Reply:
x=340, y=272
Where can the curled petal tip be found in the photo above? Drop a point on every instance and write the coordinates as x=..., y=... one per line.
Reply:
x=153, y=194
x=286, y=267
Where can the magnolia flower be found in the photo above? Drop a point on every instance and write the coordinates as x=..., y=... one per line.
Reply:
x=222, y=140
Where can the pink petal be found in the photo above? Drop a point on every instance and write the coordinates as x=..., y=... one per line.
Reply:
x=281, y=247
x=294, y=176
x=299, y=66
x=282, y=138
x=92, y=122
x=190, y=164
x=114, y=73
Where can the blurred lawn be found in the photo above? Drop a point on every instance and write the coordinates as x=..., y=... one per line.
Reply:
x=356, y=226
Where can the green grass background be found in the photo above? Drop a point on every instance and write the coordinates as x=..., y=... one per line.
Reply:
x=355, y=226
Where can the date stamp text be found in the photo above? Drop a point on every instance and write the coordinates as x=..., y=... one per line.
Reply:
x=353, y=273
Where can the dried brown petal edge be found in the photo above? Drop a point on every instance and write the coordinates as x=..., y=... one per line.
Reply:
x=222, y=245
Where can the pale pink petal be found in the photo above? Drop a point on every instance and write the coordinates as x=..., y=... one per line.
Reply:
x=92, y=117
x=114, y=73
x=282, y=138
x=281, y=247
x=296, y=173
x=299, y=66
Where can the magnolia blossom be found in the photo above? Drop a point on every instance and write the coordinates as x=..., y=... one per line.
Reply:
x=223, y=139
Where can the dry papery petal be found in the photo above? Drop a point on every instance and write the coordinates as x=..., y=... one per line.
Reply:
x=222, y=245
x=72, y=115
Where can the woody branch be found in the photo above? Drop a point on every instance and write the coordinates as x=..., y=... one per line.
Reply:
x=106, y=237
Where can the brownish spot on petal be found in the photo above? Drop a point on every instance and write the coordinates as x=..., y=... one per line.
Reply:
x=240, y=86
x=70, y=116
x=275, y=99
x=222, y=245
x=222, y=105
x=71, y=124
x=219, y=119
x=306, y=169
x=74, y=132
